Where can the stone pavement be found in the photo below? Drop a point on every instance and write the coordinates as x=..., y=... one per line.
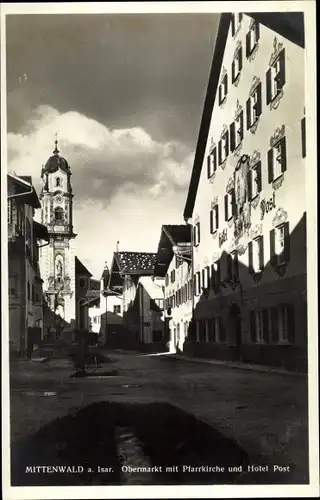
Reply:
x=265, y=413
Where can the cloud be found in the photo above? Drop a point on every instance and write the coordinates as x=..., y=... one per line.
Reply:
x=126, y=184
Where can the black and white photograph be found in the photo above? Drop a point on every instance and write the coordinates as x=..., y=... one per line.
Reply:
x=159, y=256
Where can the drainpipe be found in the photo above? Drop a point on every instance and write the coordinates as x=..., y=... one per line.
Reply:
x=10, y=196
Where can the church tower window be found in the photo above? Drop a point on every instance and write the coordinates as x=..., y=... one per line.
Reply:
x=58, y=214
x=58, y=182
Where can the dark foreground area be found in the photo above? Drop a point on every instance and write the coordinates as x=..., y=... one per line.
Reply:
x=155, y=421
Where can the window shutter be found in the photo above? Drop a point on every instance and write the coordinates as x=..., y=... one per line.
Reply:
x=248, y=107
x=259, y=175
x=274, y=325
x=222, y=330
x=209, y=166
x=233, y=27
x=259, y=99
x=203, y=284
x=261, y=243
x=273, y=257
x=208, y=276
x=218, y=273
x=286, y=242
x=249, y=184
x=233, y=71
x=227, y=143
x=225, y=207
x=270, y=165
x=268, y=85
x=253, y=335
x=211, y=221
x=303, y=137
x=214, y=159
x=216, y=213
x=248, y=47
x=250, y=255
x=257, y=28
x=265, y=325
x=212, y=279
x=283, y=155
x=226, y=83
x=240, y=17
x=220, y=93
x=198, y=228
x=241, y=124
x=234, y=206
x=194, y=235
x=282, y=73
x=220, y=152
x=240, y=58
x=232, y=136
x=229, y=267
x=291, y=323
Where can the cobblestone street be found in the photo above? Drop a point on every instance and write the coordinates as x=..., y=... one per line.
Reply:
x=254, y=418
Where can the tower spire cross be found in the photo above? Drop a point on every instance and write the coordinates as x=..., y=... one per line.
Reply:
x=56, y=150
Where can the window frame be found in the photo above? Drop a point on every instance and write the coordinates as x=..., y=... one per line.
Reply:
x=223, y=89
x=276, y=77
x=237, y=61
x=273, y=156
x=212, y=162
x=253, y=29
x=255, y=181
x=214, y=219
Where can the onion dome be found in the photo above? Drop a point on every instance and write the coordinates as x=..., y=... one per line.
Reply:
x=55, y=162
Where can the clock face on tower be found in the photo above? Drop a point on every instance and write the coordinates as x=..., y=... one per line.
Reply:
x=58, y=198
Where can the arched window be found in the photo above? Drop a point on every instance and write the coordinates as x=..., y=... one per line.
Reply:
x=58, y=214
x=58, y=182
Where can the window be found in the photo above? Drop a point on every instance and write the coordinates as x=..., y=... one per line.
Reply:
x=252, y=38
x=223, y=89
x=280, y=245
x=215, y=275
x=254, y=181
x=303, y=137
x=235, y=22
x=58, y=182
x=9, y=211
x=196, y=232
x=260, y=326
x=58, y=214
x=28, y=290
x=236, y=132
x=13, y=287
x=256, y=258
x=204, y=278
x=254, y=106
x=214, y=219
x=276, y=77
x=33, y=292
x=159, y=303
x=212, y=162
x=223, y=148
x=28, y=233
x=229, y=205
x=172, y=276
x=197, y=281
x=190, y=290
x=282, y=324
x=277, y=161
x=167, y=280
x=232, y=267
x=236, y=65
x=82, y=282
x=116, y=309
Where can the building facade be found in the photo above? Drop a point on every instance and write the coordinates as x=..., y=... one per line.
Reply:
x=246, y=199
x=57, y=260
x=174, y=265
x=25, y=237
x=82, y=292
x=132, y=275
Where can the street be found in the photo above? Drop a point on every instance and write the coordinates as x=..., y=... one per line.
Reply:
x=156, y=420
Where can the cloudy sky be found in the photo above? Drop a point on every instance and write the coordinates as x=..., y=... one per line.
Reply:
x=125, y=94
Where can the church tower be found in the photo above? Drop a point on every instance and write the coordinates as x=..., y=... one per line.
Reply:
x=57, y=260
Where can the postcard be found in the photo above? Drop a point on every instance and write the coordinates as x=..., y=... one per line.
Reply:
x=159, y=304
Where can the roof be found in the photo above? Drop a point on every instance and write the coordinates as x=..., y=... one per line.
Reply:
x=130, y=263
x=55, y=162
x=40, y=231
x=23, y=185
x=170, y=236
x=290, y=25
x=81, y=269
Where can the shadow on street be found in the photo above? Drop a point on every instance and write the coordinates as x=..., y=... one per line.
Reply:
x=161, y=435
